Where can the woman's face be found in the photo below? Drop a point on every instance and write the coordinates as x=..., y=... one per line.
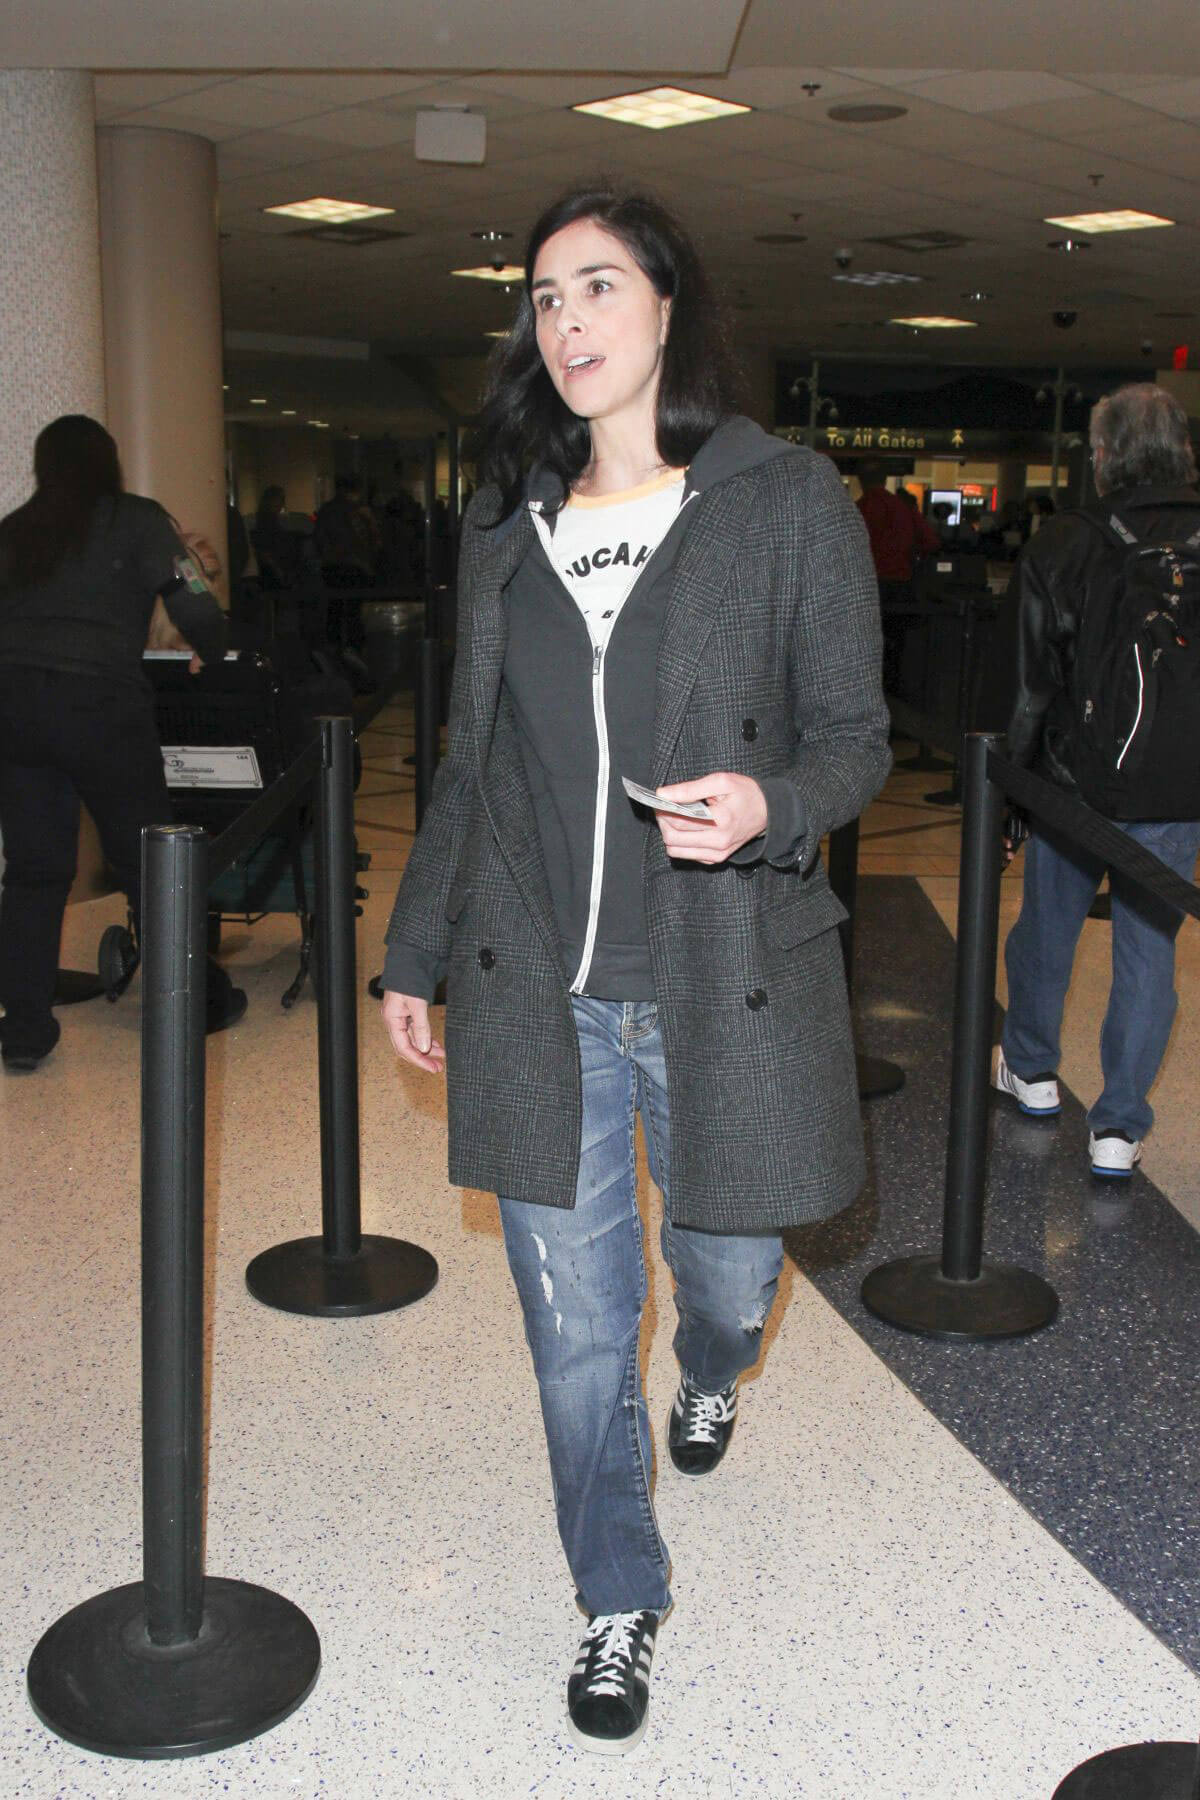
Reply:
x=601, y=326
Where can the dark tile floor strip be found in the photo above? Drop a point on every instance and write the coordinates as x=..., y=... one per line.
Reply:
x=1092, y=1422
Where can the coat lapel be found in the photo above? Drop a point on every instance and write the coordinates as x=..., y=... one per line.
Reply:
x=496, y=750
x=698, y=583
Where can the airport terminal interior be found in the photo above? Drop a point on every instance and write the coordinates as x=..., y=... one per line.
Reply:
x=927, y=1569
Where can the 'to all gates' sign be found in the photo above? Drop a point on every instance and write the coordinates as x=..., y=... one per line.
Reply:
x=937, y=440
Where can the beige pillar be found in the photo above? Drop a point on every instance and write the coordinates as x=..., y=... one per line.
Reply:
x=51, y=344
x=51, y=339
x=1010, y=482
x=162, y=322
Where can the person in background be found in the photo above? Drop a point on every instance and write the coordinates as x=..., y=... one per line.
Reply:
x=347, y=544
x=1145, y=473
x=891, y=530
x=673, y=597
x=81, y=566
x=925, y=538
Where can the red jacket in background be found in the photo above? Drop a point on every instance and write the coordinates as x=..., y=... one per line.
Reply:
x=897, y=532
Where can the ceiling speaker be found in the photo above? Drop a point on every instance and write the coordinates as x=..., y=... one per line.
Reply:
x=448, y=135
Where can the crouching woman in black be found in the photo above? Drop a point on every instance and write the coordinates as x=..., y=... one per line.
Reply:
x=671, y=596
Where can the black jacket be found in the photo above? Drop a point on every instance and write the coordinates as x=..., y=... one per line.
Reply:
x=1044, y=606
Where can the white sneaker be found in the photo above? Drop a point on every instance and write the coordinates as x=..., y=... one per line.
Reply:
x=1113, y=1153
x=1039, y=1097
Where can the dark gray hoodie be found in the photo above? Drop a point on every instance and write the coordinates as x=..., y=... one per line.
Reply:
x=586, y=719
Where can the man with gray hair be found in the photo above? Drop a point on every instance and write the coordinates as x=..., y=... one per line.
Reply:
x=1071, y=590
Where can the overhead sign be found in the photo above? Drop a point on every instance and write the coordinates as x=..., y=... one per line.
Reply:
x=935, y=440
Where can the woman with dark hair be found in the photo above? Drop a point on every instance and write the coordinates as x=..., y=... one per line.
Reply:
x=81, y=564
x=652, y=592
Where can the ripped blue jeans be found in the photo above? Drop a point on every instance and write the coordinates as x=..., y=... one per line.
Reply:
x=581, y=1277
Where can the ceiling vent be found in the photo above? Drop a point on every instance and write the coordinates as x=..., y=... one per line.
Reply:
x=353, y=237
x=917, y=242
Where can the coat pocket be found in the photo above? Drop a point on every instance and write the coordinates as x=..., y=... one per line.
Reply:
x=804, y=915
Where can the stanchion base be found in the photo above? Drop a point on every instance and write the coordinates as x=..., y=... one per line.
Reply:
x=877, y=1077
x=299, y=1277
x=71, y=986
x=97, y=1680
x=951, y=796
x=1002, y=1302
x=1136, y=1772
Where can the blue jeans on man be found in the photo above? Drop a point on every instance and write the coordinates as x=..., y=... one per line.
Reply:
x=1060, y=884
x=581, y=1277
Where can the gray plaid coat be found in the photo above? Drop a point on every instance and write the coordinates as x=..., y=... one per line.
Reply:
x=773, y=612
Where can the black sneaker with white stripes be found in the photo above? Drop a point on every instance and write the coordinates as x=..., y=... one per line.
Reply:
x=700, y=1426
x=608, y=1695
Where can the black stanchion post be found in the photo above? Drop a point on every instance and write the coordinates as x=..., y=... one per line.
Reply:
x=925, y=762
x=341, y=1273
x=958, y=1295
x=176, y=1664
x=952, y=796
x=877, y=1076
x=1136, y=1772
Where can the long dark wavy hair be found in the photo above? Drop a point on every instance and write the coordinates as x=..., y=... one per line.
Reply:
x=523, y=416
x=75, y=466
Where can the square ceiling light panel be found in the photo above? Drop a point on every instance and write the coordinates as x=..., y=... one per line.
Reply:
x=660, y=108
x=1097, y=222
x=330, y=212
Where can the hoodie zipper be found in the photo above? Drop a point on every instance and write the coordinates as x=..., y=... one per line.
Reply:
x=600, y=720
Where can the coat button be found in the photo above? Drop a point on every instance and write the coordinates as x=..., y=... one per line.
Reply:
x=745, y=870
x=487, y=958
x=756, y=999
x=749, y=730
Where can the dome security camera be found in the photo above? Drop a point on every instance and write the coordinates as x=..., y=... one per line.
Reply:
x=843, y=257
x=497, y=262
x=1147, y=347
x=1064, y=318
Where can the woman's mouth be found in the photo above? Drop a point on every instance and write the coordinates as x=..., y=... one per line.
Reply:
x=580, y=365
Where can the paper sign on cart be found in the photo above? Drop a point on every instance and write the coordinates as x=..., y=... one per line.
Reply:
x=211, y=766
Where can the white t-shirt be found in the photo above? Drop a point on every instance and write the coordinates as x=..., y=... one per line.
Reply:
x=600, y=546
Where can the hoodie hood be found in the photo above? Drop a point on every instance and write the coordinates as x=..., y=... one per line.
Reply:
x=735, y=446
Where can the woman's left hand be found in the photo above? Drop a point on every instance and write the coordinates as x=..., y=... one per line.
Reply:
x=739, y=813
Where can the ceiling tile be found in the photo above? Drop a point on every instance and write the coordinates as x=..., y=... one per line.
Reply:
x=1179, y=99
x=991, y=90
x=137, y=89
x=333, y=89
x=239, y=103
x=359, y=127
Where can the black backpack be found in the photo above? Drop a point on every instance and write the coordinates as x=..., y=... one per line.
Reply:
x=1135, y=685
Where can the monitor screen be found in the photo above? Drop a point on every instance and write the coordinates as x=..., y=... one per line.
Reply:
x=951, y=497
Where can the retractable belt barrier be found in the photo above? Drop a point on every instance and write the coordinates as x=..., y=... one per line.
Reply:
x=181, y=1663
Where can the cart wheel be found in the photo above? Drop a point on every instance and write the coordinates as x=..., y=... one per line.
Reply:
x=116, y=960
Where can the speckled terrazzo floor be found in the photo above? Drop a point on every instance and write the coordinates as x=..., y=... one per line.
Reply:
x=861, y=1606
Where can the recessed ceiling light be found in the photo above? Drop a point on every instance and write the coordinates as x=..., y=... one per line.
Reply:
x=329, y=212
x=917, y=242
x=868, y=114
x=321, y=424
x=1097, y=222
x=495, y=334
x=873, y=278
x=288, y=412
x=977, y=295
x=491, y=237
x=507, y=272
x=660, y=108
x=780, y=237
x=1068, y=245
x=225, y=386
x=934, y=322
x=256, y=402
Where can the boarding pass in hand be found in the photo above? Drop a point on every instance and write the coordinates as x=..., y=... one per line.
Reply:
x=686, y=809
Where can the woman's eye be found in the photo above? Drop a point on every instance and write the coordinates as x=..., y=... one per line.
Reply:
x=546, y=301
x=599, y=285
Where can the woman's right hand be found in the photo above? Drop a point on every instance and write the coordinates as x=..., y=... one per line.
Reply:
x=407, y=1021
